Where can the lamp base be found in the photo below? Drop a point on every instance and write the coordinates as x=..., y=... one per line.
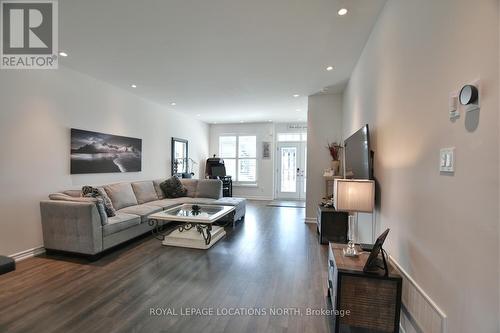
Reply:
x=350, y=250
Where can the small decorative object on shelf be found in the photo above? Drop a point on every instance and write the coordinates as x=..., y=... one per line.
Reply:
x=196, y=209
x=328, y=173
x=329, y=182
x=335, y=149
x=327, y=203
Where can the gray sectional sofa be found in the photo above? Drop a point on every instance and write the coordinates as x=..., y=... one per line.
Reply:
x=72, y=223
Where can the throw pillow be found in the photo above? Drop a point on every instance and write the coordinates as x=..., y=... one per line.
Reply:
x=173, y=188
x=101, y=208
x=94, y=192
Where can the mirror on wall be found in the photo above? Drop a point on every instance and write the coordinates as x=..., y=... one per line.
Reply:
x=180, y=156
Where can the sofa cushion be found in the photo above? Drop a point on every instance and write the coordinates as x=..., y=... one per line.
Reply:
x=119, y=222
x=202, y=201
x=173, y=188
x=159, y=191
x=166, y=203
x=73, y=193
x=65, y=197
x=121, y=195
x=144, y=191
x=191, y=186
x=209, y=188
x=142, y=210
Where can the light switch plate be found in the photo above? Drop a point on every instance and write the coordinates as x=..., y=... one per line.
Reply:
x=447, y=160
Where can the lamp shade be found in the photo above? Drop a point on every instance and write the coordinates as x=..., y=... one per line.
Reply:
x=353, y=195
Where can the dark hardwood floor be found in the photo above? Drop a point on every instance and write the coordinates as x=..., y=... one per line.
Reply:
x=272, y=260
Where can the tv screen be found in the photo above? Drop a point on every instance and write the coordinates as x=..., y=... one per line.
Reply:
x=357, y=155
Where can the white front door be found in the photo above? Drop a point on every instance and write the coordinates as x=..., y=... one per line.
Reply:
x=291, y=170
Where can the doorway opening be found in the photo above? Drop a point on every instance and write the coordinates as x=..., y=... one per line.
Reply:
x=291, y=173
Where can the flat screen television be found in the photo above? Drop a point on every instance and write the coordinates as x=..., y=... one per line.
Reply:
x=357, y=154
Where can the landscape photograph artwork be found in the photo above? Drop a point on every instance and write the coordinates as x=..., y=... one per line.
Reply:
x=93, y=152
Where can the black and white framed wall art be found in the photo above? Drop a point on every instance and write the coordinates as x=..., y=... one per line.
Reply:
x=93, y=152
x=266, y=150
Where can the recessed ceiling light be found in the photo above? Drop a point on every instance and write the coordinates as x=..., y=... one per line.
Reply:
x=329, y=68
x=296, y=95
x=270, y=121
x=63, y=54
x=241, y=121
x=215, y=123
x=298, y=110
x=133, y=86
x=173, y=104
x=342, y=11
x=198, y=115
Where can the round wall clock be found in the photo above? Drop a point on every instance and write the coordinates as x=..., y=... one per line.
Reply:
x=468, y=95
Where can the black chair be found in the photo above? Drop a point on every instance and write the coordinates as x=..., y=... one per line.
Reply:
x=216, y=169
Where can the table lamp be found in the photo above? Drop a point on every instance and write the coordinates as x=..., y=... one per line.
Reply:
x=353, y=196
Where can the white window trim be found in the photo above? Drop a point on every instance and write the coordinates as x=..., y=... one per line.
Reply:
x=302, y=136
x=238, y=183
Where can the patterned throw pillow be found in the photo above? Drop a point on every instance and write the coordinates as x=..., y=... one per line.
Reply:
x=173, y=188
x=102, y=211
x=95, y=192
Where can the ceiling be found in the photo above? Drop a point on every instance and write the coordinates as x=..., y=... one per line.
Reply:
x=222, y=61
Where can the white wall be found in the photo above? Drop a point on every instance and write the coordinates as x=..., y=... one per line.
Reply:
x=444, y=229
x=264, y=132
x=324, y=125
x=38, y=108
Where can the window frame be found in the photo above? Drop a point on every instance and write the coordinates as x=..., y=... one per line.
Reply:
x=236, y=159
x=302, y=136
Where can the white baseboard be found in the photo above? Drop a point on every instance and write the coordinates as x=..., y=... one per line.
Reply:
x=420, y=313
x=310, y=220
x=27, y=253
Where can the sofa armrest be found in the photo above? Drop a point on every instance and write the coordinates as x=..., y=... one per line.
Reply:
x=209, y=188
x=71, y=226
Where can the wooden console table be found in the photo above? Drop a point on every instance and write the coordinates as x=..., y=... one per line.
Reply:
x=372, y=299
